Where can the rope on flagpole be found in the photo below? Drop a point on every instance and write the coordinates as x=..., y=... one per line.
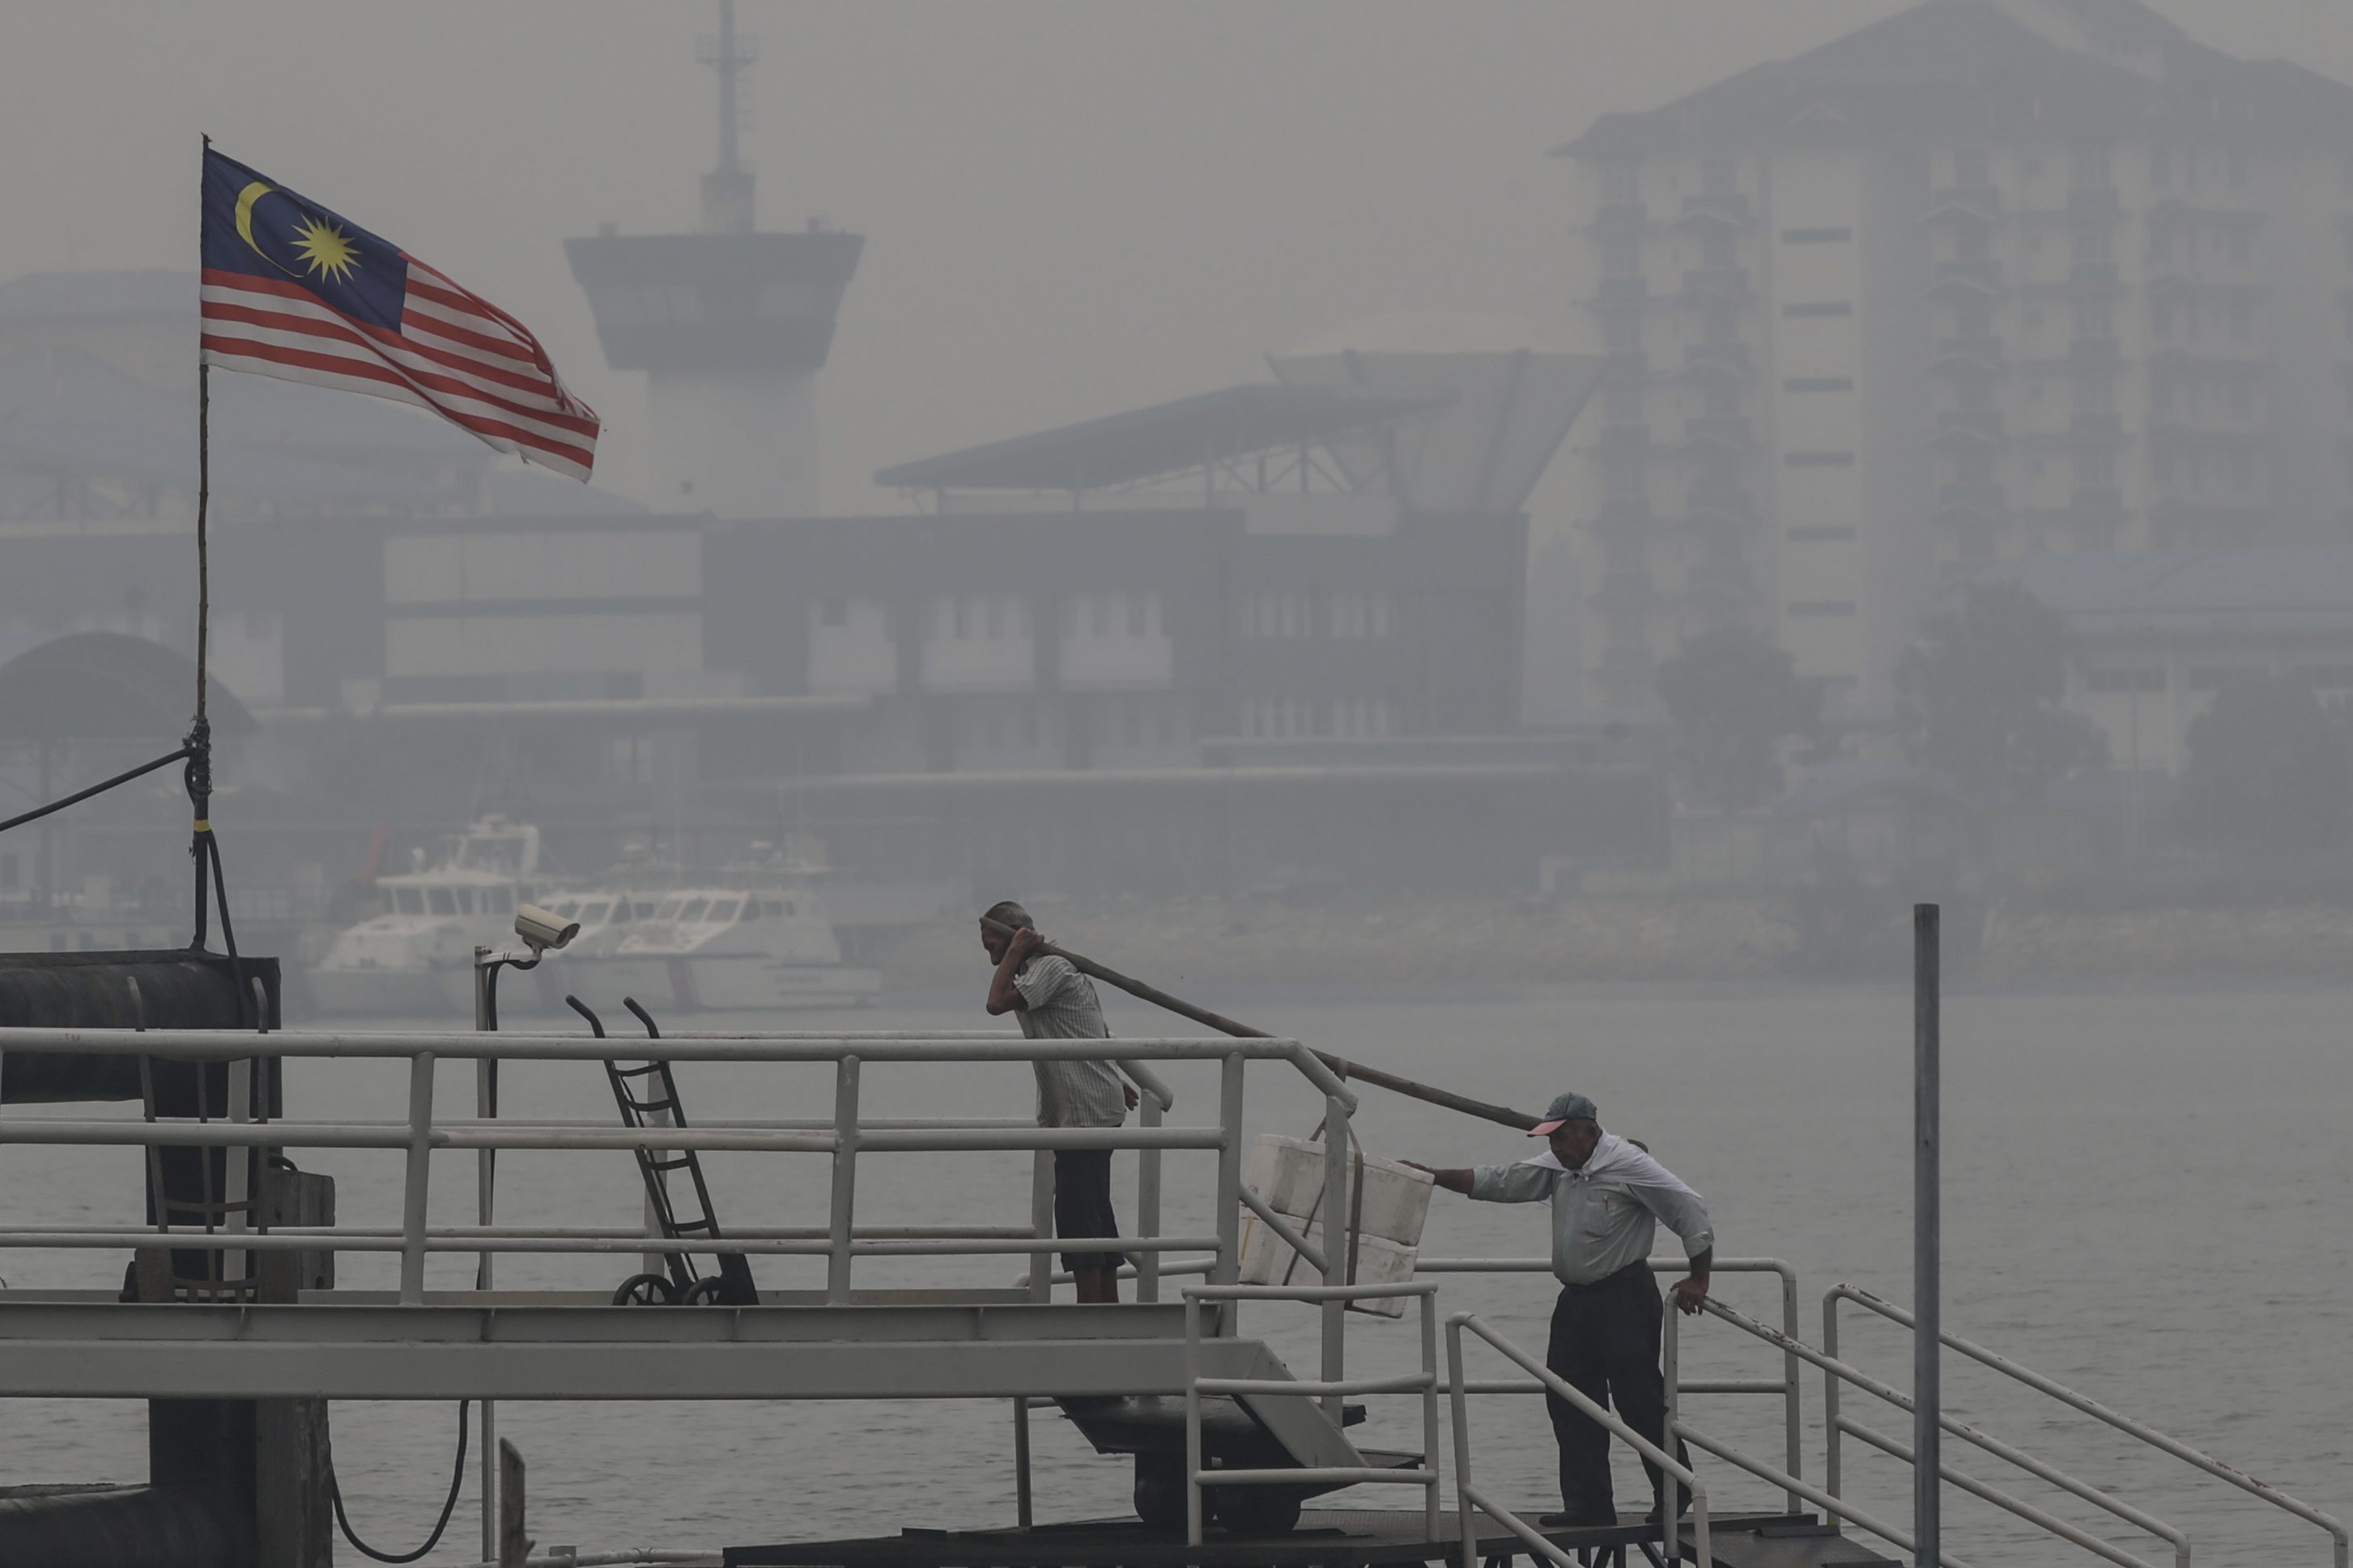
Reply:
x=199, y=774
x=204, y=848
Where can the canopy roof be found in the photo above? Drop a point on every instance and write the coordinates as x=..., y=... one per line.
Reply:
x=96, y=686
x=1166, y=439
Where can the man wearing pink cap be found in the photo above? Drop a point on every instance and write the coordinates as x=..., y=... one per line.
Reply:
x=1608, y=1196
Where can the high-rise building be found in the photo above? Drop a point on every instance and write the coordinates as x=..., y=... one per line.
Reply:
x=1987, y=279
x=731, y=327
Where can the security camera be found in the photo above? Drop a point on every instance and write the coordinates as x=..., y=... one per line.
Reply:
x=543, y=929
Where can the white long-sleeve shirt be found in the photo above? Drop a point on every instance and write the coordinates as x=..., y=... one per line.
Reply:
x=1605, y=1215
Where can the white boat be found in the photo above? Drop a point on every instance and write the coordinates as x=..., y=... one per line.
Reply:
x=755, y=938
x=408, y=958
x=606, y=910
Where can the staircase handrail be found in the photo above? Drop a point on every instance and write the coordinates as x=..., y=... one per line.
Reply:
x=2075, y=1535
x=1424, y=1382
x=1469, y=1500
x=2087, y=1405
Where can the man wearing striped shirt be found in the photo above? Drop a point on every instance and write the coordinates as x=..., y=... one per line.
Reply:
x=1052, y=1001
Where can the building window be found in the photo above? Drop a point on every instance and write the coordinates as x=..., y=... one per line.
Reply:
x=2091, y=243
x=1817, y=236
x=2242, y=170
x=1359, y=613
x=1619, y=186
x=2095, y=469
x=1622, y=333
x=1815, y=308
x=1719, y=177
x=1275, y=613
x=2090, y=169
x=1819, y=534
x=1822, y=607
x=1621, y=255
x=1819, y=383
x=2096, y=318
x=1818, y=460
x=2096, y=394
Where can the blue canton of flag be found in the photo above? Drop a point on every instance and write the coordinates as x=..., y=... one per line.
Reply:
x=294, y=291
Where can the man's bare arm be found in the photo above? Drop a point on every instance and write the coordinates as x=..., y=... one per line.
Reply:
x=1004, y=996
x=1454, y=1181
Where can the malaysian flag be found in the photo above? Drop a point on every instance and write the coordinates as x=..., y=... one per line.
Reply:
x=293, y=291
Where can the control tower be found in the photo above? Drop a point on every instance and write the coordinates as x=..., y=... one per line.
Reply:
x=730, y=325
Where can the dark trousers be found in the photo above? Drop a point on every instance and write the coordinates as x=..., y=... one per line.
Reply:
x=1082, y=1204
x=1605, y=1344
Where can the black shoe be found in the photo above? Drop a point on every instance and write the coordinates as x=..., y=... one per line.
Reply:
x=1584, y=1518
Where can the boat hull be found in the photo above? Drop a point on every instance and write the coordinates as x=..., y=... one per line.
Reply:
x=746, y=983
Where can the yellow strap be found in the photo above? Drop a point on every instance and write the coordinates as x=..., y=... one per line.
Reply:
x=204, y=824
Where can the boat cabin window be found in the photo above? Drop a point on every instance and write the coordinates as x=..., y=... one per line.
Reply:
x=593, y=914
x=776, y=907
x=465, y=901
x=501, y=902
x=408, y=900
x=722, y=911
x=694, y=909
x=441, y=900
x=666, y=910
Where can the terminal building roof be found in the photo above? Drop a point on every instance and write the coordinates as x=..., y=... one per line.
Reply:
x=1166, y=439
x=2251, y=593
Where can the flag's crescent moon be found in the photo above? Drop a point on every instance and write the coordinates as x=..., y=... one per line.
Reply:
x=245, y=200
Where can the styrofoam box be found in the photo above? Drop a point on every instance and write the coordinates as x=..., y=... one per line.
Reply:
x=1287, y=1173
x=1268, y=1260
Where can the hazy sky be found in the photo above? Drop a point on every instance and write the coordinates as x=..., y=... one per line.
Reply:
x=1071, y=207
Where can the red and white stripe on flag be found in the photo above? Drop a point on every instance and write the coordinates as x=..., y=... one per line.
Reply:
x=455, y=353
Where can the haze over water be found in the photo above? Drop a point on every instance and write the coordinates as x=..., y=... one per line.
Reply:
x=2142, y=1194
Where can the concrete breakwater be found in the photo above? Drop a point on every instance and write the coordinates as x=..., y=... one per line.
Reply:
x=1686, y=937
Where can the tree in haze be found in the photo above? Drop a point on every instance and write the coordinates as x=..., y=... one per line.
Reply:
x=1735, y=698
x=2267, y=774
x=1977, y=699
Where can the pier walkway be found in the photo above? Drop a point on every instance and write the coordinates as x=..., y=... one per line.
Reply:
x=1228, y=1443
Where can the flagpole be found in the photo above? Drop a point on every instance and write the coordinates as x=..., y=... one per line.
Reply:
x=200, y=734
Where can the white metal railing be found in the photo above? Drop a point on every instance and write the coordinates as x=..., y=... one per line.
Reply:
x=1837, y=1424
x=1424, y=1382
x=1832, y=1502
x=845, y=1137
x=1470, y=1501
x=1786, y=1386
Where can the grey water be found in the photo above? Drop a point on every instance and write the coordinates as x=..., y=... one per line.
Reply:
x=2147, y=1197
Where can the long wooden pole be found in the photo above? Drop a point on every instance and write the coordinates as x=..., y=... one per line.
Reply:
x=1428, y=1093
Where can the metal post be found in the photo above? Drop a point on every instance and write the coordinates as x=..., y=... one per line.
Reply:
x=1227, y=1269
x=1021, y=1512
x=1671, y=1511
x=1336, y=1239
x=1193, y=1410
x=845, y=1180
x=1792, y=1428
x=1926, y=1220
x=238, y=1172
x=1830, y=1397
x=1041, y=1223
x=1429, y=1411
x=420, y=1171
x=1147, y=1206
x=486, y=1106
x=1466, y=1511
